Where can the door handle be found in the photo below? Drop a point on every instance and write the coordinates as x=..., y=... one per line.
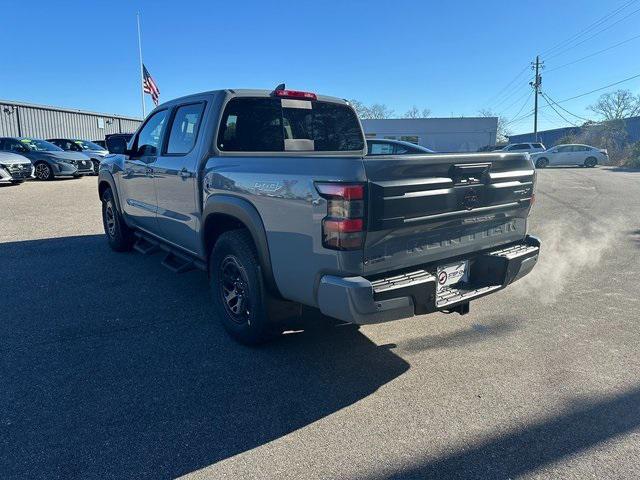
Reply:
x=184, y=173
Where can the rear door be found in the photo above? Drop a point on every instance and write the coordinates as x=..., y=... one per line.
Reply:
x=175, y=177
x=138, y=186
x=423, y=209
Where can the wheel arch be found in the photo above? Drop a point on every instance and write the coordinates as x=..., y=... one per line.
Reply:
x=222, y=213
x=105, y=180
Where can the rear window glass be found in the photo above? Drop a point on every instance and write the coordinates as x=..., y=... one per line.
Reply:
x=277, y=125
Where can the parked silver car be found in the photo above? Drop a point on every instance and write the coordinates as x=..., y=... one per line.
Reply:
x=582, y=155
x=524, y=147
x=14, y=168
x=92, y=150
x=48, y=160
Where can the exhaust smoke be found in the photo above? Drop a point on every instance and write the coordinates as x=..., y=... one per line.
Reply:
x=566, y=250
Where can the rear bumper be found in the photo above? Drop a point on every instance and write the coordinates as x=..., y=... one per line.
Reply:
x=360, y=300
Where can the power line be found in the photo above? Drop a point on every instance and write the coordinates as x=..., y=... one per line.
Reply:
x=598, y=89
x=557, y=112
x=524, y=104
x=548, y=98
x=592, y=36
x=594, y=54
x=508, y=97
x=588, y=28
x=517, y=100
x=517, y=120
x=497, y=95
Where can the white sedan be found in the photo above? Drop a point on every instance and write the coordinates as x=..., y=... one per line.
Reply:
x=582, y=155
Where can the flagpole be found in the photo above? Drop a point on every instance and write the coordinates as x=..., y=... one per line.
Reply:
x=144, y=114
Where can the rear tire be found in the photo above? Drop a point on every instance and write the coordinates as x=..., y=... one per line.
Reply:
x=591, y=162
x=119, y=235
x=237, y=289
x=542, y=163
x=43, y=171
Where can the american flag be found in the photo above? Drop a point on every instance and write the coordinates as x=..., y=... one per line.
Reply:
x=150, y=86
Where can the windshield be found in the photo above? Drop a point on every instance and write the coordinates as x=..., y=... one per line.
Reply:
x=39, y=145
x=87, y=145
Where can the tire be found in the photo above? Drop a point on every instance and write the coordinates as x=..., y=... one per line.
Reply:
x=96, y=166
x=119, y=235
x=591, y=162
x=542, y=163
x=237, y=288
x=17, y=182
x=43, y=171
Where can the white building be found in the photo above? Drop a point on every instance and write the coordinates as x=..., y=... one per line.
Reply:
x=466, y=134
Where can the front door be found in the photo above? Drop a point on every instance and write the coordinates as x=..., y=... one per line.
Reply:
x=175, y=174
x=138, y=186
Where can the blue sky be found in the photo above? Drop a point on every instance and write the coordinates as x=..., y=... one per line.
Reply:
x=452, y=57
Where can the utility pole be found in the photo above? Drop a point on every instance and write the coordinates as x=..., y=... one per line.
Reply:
x=536, y=86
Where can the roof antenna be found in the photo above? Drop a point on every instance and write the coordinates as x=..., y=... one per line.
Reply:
x=280, y=87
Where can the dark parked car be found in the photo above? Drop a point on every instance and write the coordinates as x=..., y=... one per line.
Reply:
x=394, y=147
x=95, y=152
x=117, y=142
x=49, y=161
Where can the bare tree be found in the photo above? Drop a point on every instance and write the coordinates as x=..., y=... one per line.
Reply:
x=413, y=112
x=361, y=109
x=503, y=132
x=379, y=110
x=617, y=105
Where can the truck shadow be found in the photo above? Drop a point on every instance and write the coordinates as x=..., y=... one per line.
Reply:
x=582, y=426
x=495, y=327
x=113, y=367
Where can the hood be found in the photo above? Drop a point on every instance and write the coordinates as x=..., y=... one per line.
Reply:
x=96, y=153
x=52, y=155
x=7, y=158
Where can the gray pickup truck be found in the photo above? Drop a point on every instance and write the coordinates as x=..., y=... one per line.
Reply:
x=271, y=193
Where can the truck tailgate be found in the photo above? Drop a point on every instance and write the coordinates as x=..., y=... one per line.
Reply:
x=425, y=208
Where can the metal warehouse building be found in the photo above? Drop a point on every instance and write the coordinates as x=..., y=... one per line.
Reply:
x=19, y=119
x=465, y=134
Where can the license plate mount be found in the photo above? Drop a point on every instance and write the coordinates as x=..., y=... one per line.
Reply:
x=452, y=273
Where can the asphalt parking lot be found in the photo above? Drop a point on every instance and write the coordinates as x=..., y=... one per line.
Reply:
x=112, y=367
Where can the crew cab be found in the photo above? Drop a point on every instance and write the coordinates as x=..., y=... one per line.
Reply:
x=273, y=194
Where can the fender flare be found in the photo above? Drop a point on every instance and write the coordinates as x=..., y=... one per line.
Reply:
x=245, y=212
x=108, y=178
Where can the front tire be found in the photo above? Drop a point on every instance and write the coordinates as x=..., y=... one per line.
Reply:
x=43, y=171
x=590, y=162
x=542, y=163
x=119, y=235
x=237, y=289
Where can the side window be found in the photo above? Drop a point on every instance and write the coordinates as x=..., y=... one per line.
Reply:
x=149, y=138
x=184, y=129
x=2, y=140
x=378, y=148
x=14, y=146
x=565, y=149
x=521, y=146
x=401, y=150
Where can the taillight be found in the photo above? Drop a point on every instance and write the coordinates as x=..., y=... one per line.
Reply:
x=343, y=228
x=295, y=94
